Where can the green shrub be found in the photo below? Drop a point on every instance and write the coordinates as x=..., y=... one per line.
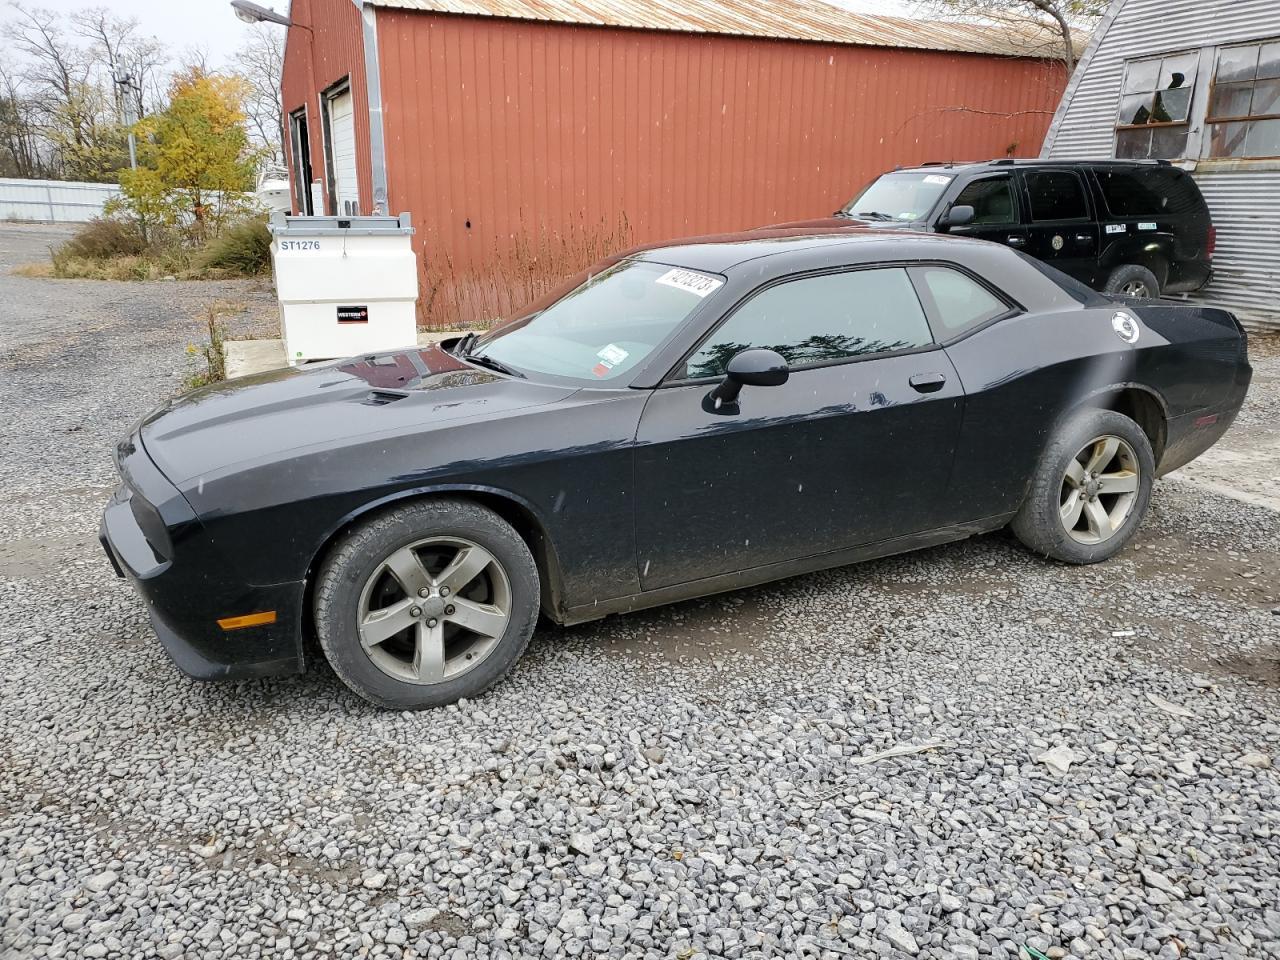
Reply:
x=104, y=239
x=242, y=249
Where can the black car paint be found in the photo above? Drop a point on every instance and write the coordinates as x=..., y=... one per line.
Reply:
x=637, y=494
x=1175, y=251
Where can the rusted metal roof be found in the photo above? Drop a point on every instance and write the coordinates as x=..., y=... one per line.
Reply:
x=776, y=19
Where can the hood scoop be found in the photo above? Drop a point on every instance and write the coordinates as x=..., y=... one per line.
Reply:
x=380, y=398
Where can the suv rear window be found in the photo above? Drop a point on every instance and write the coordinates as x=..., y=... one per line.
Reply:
x=1147, y=192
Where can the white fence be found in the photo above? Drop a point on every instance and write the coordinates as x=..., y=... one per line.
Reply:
x=53, y=201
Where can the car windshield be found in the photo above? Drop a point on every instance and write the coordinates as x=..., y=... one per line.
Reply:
x=899, y=197
x=604, y=326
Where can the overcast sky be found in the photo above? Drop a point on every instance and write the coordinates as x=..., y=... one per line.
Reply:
x=212, y=25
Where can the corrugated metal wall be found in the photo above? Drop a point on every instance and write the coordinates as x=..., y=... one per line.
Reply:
x=316, y=59
x=513, y=140
x=53, y=201
x=1244, y=197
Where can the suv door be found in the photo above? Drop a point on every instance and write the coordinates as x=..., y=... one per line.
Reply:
x=997, y=213
x=1061, y=228
x=854, y=448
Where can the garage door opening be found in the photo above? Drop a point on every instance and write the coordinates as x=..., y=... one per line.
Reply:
x=340, y=150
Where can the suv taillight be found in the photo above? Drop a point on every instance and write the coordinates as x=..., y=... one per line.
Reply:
x=1211, y=244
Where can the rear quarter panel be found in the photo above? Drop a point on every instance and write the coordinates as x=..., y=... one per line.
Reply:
x=1023, y=375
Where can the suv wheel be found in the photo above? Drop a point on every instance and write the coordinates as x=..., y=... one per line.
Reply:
x=1131, y=280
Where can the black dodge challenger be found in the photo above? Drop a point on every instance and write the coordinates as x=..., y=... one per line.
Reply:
x=678, y=421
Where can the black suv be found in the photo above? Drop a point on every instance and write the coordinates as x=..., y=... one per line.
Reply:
x=1138, y=229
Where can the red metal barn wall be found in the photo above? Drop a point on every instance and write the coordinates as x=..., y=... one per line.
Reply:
x=315, y=59
x=525, y=150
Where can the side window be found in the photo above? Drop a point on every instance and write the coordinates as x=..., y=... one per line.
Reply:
x=831, y=317
x=991, y=199
x=959, y=302
x=1056, y=195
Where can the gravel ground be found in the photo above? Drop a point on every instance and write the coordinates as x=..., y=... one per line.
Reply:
x=1092, y=769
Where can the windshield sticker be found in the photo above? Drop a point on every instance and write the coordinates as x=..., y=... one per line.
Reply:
x=1117, y=228
x=940, y=181
x=1147, y=226
x=612, y=354
x=690, y=281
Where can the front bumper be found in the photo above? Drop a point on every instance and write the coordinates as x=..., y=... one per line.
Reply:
x=154, y=540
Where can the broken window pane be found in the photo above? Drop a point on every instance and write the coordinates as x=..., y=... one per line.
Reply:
x=1135, y=110
x=1172, y=106
x=1179, y=72
x=1143, y=76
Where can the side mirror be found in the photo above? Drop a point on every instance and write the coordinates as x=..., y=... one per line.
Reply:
x=754, y=368
x=957, y=217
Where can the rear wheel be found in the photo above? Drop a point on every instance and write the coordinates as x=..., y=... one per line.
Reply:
x=1090, y=491
x=426, y=604
x=1131, y=280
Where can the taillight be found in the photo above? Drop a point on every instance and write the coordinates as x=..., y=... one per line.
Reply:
x=1211, y=244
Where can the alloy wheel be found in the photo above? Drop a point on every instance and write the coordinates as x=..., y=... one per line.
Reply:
x=434, y=610
x=1135, y=288
x=1099, y=489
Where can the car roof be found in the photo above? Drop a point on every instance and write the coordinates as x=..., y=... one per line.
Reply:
x=783, y=249
x=967, y=166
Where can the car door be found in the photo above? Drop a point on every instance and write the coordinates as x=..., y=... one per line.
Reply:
x=997, y=213
x=854, y=448
x=1061, y=228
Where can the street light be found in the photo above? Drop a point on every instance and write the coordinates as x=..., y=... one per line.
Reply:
x=253, y=13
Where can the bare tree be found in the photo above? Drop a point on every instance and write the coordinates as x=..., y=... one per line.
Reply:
x=1056, y=20
x=260, y=62
x=20, y=145
x=119, y=49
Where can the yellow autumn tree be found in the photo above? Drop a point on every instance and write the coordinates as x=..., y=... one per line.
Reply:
x=195, y=163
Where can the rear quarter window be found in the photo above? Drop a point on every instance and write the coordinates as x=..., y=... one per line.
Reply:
x=1154, y=192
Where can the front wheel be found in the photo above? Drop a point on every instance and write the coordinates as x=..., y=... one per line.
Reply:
x=426, y=603
x=1090, y=491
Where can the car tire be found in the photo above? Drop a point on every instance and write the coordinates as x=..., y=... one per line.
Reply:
x=1098, y=464
x=1131, y=280
x=392, y=575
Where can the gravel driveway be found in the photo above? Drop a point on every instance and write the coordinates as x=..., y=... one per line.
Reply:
x=1092, y=768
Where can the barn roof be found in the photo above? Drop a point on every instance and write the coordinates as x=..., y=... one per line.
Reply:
x=811, y=20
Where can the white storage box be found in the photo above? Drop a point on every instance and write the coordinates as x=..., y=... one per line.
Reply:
x=346, y=285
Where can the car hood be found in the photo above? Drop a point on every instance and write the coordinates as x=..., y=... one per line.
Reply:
x=255, y=418
x=845, y=223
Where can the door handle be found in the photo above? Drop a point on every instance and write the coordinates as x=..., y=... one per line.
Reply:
x=927, y=382
x=1017, y=241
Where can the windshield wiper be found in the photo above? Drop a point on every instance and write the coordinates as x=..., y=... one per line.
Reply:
x=492, y=364
x=463, y=346
x=874, y=215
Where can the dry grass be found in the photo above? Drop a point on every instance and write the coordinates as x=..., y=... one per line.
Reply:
x=513, y=273
x=209, y=358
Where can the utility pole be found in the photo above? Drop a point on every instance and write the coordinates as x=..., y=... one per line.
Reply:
x=128, y=88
